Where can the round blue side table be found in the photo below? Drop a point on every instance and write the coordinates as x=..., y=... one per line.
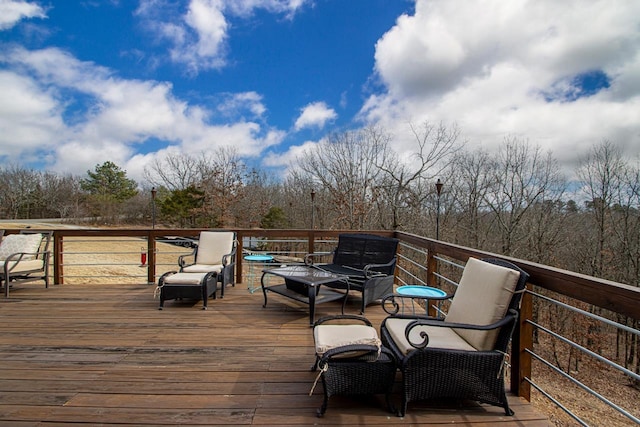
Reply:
x=255, y=259
x=422, y=292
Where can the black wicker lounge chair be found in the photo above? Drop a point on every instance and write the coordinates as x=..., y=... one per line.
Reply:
x=368, y=260
x=461, y=356
x=216, y=252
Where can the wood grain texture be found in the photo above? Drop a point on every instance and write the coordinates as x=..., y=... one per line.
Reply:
x=104, y=355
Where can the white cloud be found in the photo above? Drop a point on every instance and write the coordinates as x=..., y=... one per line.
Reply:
x=206, y=19
x=12, y=12
x=235, y=103
x=118, y=120
x=199, y=35
x=287, y=159
x=29, y=117
x=486, y=65
x=316, y=114
x=246, y=7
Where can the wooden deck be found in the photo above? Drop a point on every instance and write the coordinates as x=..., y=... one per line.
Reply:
x=104, y=355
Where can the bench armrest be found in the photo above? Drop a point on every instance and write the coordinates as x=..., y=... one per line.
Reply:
x=308, y=258
x=369, y=269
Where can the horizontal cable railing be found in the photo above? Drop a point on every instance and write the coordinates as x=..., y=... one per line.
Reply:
x=95, y=259
x=595, y=359
x=411, y=268
x=594, y=372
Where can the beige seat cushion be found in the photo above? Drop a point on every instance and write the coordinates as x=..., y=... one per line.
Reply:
x=328, y=337
x=483, y=296
x=202, y=268
x=439, y=337
x=185, y=279
x=25, y=266
x=213, y=245
x=20, y=243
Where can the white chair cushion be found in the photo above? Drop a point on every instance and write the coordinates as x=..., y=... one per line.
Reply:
x=483, y=296
x=19, y=243
x=25, y=266
x=202, y=268
x=213, y=245
x=328, y=337
x=185, y=279
x=439, y=337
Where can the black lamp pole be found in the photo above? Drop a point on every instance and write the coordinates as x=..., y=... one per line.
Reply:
x=313, y=209
x=153, y=207
x=439, y=185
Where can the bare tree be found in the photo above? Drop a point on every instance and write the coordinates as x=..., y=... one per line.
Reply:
x=223, y=180
x=601, y=172
x=522, y=176
x=297, y=188
x=175, y=171
x=62, y=195
x=16, y=191
x=613, y=185
x=345, y=166
x=408, y=185
x=470, y=181
x=260, y=193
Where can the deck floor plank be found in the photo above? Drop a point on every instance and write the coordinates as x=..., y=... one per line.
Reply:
x=105, y=355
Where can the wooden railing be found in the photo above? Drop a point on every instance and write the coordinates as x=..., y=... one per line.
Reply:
x=622, y=300
x=151, y=237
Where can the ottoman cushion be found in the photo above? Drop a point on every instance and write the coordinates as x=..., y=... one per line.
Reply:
x=185, y=279
x=328, y=337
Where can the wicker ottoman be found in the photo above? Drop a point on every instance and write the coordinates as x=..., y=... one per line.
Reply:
x=352, y=361
x=197, y=286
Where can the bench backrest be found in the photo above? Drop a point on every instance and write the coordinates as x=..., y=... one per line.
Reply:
x=359, y=250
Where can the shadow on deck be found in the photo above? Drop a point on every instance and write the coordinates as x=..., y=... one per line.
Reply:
x=104, y=354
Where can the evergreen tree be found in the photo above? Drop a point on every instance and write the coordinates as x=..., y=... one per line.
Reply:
x=184, y=206
x=108, y=187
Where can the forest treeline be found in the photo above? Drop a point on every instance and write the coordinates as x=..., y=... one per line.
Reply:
x=515, y=202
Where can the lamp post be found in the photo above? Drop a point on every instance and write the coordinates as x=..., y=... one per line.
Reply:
x=439, y=185
x=313, y=209
x=153, y=207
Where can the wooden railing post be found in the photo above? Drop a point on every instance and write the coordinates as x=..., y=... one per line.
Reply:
x=239, y=257
x=151, y=257
x=432, y=265
x=432, y=279
x=522, y=340
x=58, y=272
x=311, y=243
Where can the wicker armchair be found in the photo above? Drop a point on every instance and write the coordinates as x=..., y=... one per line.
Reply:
x=461, y=356
x=216, y=252
x=368, y=260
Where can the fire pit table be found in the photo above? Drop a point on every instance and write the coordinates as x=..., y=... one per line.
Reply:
x=303, y=284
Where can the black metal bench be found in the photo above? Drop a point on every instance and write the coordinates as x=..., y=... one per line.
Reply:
x=368, y=260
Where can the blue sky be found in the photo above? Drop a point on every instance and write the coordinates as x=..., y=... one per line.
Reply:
x=82, y=82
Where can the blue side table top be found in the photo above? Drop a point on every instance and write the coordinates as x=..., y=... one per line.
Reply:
x=259, y=258
x=420, y=291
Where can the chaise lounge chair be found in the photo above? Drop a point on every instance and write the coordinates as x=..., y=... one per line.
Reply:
x=24, y=257
x=216, y=252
